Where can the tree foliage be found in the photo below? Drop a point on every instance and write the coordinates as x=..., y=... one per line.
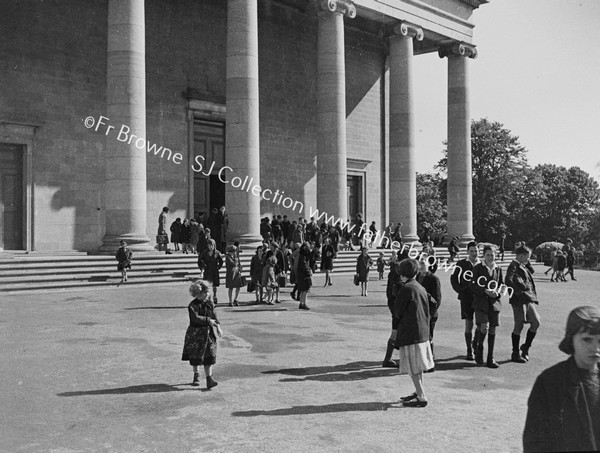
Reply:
x=431, y=208
x=538, y=204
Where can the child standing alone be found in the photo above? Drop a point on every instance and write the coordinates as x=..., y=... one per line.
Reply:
x=124, y=255
x=200, y=345
x=381, y=263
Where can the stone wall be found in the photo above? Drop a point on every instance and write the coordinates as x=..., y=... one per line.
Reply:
x=53, y=72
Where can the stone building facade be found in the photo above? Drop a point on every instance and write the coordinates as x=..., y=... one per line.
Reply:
x=112, y=109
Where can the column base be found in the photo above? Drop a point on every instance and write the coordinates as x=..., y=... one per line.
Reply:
x=411, y=239
x=463, y=239
x=247, y=241
x=137, y=243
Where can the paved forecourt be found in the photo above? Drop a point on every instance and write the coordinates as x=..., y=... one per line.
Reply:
x=100, y=370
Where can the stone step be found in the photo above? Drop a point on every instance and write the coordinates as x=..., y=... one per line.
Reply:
x=60, y=272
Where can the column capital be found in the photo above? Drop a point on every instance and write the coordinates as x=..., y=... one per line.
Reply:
x=408, y=29
x=344, y=7
x=460, y=49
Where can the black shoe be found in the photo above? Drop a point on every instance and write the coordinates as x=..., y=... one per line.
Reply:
x=196, y=381
x=525, y=353
x=304, y=307
x=515, y=357
x=430, y=370
x=491, y=363
x=210, y=382
x=412, y=396
x=415, y=403
x=389, y=364
x=470, y=355
x=479, y=358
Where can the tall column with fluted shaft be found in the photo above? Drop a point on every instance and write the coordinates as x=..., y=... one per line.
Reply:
x=125, y=191
x=331, y=108
x=403, y=172
x=460, y=183
x=242, y=129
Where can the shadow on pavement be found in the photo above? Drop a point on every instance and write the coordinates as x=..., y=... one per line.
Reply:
x=354, y=371
x=146, y=388
x=372, y=306
x=445, y=365
x=305, y=410
x=155, y=308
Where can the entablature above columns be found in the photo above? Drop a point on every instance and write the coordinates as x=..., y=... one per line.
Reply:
x=443, y=21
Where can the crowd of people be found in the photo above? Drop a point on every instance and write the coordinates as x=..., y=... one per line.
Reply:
x=414, y=296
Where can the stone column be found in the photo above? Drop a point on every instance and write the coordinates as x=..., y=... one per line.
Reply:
x=242, y=152
x=460, y=196
x=331, y=108
x=403, y=173
x=125, y=191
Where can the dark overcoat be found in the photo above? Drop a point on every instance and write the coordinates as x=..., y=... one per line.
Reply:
x=411, y=307
x=211, y=264
x=558, y=418
x=363, y=265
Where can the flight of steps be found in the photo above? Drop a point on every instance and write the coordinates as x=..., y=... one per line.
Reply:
x=44, y=272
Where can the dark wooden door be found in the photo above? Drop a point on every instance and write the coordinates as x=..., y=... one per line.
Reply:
x=209, y=142
x=11, y=197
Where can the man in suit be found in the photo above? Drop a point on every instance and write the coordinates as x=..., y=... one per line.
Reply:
x=523, y=301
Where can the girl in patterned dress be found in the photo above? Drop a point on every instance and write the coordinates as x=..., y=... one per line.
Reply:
x=200, y=345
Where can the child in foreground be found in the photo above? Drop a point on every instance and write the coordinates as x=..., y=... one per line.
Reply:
x=200, y=345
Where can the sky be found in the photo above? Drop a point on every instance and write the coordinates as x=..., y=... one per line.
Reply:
x=537, y=72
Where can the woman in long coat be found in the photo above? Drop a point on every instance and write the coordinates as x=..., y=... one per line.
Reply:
x=185, y=235
x=176, y=233
x=209, y=263
x=256, y=268
x=327, y=257
x=195, y=231
x=433, y=286
x=363, y=265
x=233, y=276
x=200, y=344
x=303, y=275
x=411, y=307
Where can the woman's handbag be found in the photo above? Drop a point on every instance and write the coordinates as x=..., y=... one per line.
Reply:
x=356, y=280
x=281, y=280
x=162, y=239
x=251, y=287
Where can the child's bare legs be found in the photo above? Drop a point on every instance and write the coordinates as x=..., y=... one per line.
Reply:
x=210, y=382
x=257, y=293
x=277, y=294
x=418, y=383
x=363, y=288
x=196, y=381
x=269, y=296
x=303, y=295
